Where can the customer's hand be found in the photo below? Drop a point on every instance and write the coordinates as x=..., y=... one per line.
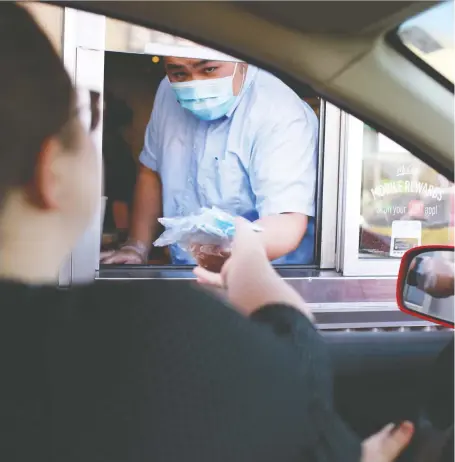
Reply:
x=249, y=278
x=388, y=443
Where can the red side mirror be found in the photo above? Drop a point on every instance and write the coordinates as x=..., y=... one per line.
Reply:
x=425, y=286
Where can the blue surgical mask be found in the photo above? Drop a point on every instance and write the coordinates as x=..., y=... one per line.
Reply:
x=208, y=99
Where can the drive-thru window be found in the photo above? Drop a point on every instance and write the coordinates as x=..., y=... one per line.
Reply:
x=374, y=199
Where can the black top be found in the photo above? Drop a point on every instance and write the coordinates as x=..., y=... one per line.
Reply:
x=144, y=371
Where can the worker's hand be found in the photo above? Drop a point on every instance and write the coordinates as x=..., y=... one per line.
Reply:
x=388, y=443
x=129, y=254
x=121, y=257
x=249, y=278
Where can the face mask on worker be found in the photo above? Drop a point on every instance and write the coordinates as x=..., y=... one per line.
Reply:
x=208, y=99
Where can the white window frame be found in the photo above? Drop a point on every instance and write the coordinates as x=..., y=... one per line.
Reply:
x=83, y=56
x=329, y=152
x=350, y=262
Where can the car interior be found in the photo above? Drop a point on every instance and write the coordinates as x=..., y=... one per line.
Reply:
x=350, y=54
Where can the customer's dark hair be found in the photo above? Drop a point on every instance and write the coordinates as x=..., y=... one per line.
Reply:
x=36, y=95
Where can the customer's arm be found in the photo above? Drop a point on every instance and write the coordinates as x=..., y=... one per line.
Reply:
x=147, y=370
x=257, y=292
x=273, y=332
x=235, y=388
x=248, y=277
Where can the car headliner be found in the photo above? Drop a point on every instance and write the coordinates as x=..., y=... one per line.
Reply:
x=339, y=17
x=322, y=16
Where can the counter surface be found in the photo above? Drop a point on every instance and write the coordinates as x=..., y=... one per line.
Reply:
x=338, y=302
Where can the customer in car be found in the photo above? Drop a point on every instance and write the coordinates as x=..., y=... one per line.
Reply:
x=137, y=371
x=230, y=135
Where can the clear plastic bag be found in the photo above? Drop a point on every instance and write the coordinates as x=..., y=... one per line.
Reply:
x=207, y=235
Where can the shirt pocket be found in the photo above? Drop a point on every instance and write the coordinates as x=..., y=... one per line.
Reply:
x=233, y=183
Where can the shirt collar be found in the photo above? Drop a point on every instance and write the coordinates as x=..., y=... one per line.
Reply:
x=250, y=76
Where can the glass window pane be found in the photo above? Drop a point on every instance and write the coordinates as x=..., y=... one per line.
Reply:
x=430, y=35
x=404, y=202
x=50, y=18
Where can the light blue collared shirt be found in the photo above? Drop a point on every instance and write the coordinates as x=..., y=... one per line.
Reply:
x=258, y=160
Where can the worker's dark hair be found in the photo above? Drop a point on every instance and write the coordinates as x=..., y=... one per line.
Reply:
x=36, y=96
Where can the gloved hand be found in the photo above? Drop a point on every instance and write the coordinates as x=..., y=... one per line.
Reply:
x=132, y=253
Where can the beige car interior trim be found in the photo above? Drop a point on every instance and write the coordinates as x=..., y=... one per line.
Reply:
x=403, y=98
x=357, y=69
x=334, y=16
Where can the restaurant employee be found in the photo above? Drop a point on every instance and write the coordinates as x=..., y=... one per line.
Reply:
x=230, y=135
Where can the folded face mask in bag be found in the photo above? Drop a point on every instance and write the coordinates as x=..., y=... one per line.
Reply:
x=207, y=235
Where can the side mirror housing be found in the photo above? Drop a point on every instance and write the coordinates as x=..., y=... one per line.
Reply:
x=425, y=286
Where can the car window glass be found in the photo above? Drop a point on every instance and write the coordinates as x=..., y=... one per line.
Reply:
x=430, y=35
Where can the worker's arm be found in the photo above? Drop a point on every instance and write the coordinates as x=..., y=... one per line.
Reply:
x=283, y=176
x=121, y=215
x=282, y=233
x=144, y=221
x=147, y=207
x=147, y=202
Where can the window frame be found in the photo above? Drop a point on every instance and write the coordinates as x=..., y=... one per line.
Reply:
x=326, y=206
x=350, y=263
x=83, y=43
